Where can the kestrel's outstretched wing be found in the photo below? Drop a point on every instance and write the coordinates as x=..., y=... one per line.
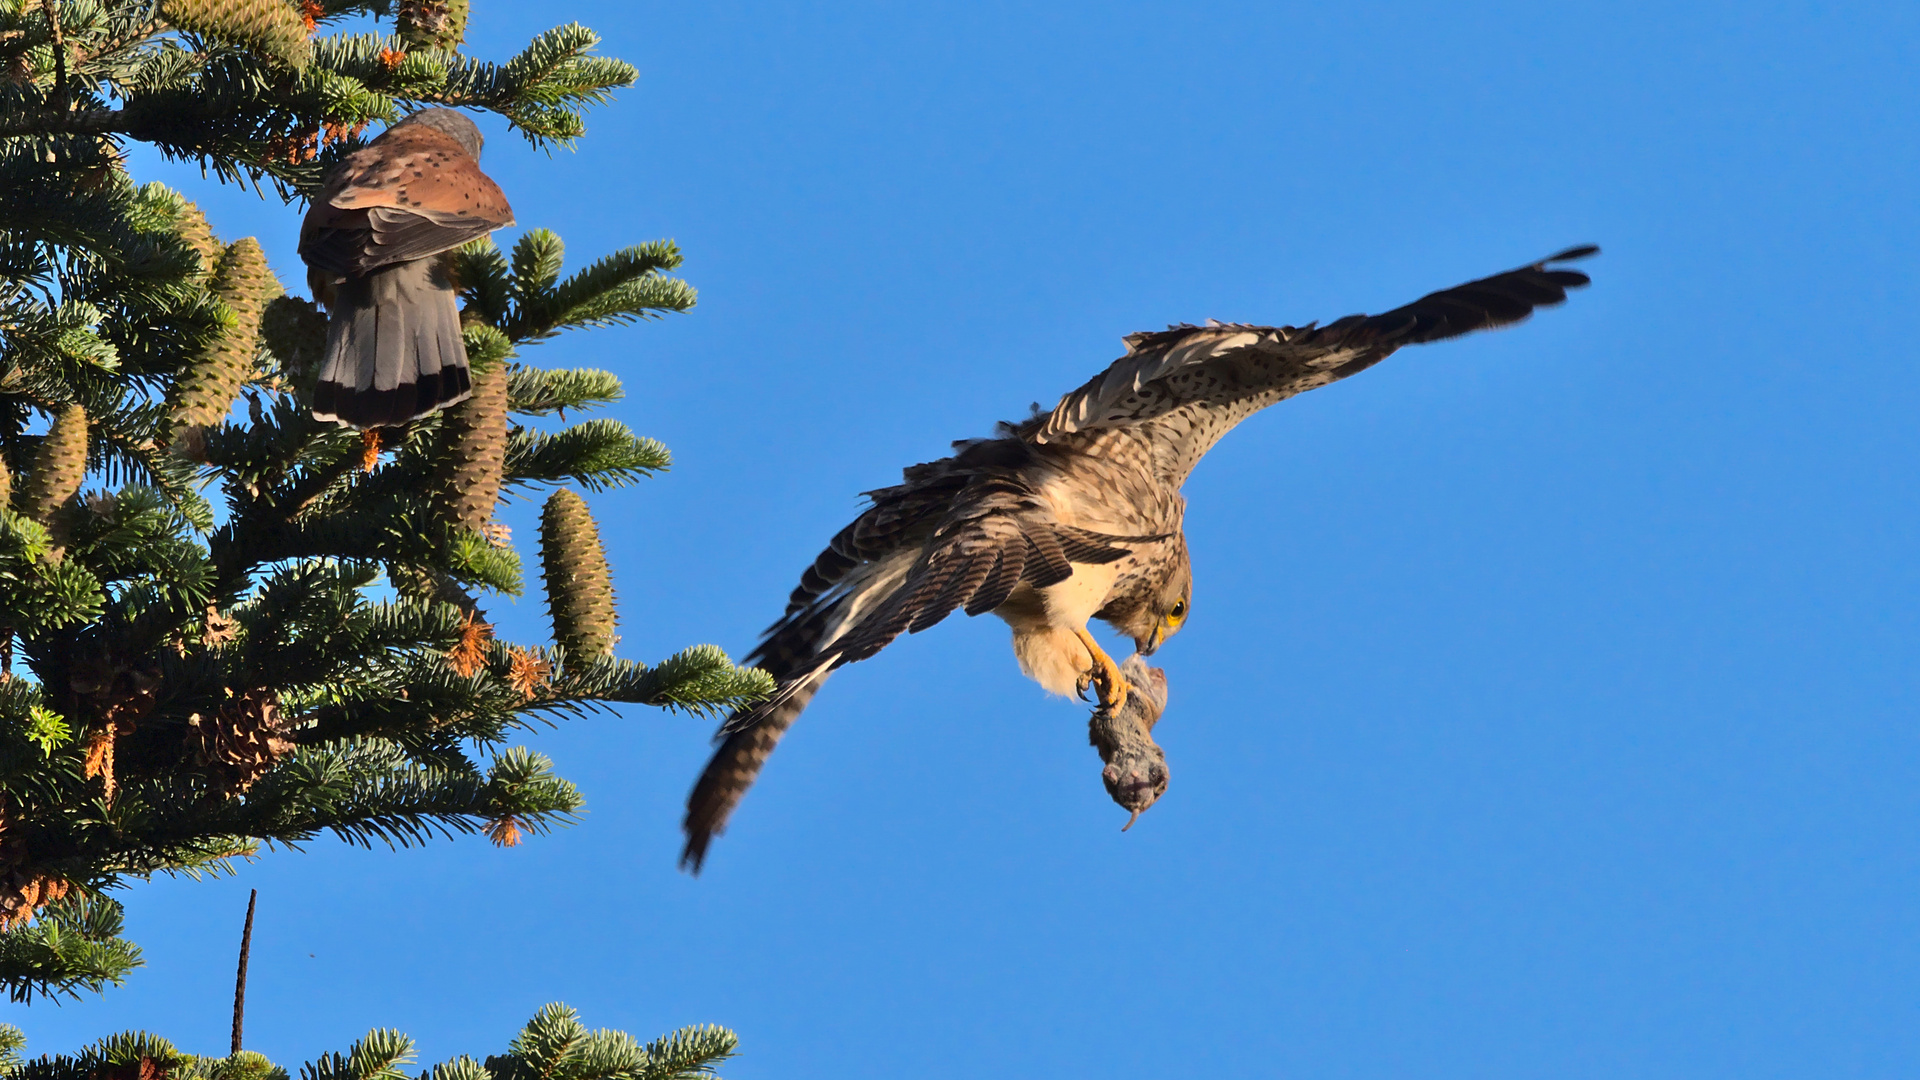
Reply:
x=959, y=535
x=1189, y=385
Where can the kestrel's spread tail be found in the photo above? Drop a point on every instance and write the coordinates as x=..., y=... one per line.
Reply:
x=393, y=347
x=732, y=769
x=374, y=241
x=1071, y=515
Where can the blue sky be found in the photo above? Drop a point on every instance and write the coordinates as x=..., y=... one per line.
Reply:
x=1548, y=704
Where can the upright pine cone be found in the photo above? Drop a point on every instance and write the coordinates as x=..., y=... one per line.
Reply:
x=475, y=455
x=6, y=484
x=59, y=466
x=246, y=279
x=193, y=228
x=435, y=24
x=579, y=586
x=273, y=27
x=206, y=390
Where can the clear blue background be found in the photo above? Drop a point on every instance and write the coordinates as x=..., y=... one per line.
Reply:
x=1548, y=705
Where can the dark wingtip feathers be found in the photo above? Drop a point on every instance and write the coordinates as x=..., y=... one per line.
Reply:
x=1572, y=253
x=1486, y=304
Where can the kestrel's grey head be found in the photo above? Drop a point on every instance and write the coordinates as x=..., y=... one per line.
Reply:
x=452, y=123
x=1158, y=608
x=1072, y=515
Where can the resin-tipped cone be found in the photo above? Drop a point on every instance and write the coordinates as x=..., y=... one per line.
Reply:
x=475, y=434
x=207, y=389
x=579, y=586
x=59, y=466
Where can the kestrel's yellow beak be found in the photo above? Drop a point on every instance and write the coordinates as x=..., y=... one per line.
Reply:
x=1148, y=647
x=1169, y=623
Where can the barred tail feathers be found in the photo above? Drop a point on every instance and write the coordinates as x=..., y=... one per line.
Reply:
x=394, y=350
x=736, y=764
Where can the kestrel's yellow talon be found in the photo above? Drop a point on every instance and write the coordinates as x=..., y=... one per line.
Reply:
x=1105, y=675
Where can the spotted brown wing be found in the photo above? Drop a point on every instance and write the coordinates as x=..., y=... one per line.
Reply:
x=411, y=193
x=1192, y=384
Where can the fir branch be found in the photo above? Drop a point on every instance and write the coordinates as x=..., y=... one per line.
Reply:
x=555, y=1045
x=485, y=278
x=699, y=680
x=541, y=391
x=460, y=1068
x=59, y=42
x=377, y=1056
x=74, y=946
x=615, y=270
x=537, y=256
x=596, y=454
x=55, y=121
x=689, y=1053
x=367, y=790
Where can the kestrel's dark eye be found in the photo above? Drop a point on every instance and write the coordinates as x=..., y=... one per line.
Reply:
x=1179, y=611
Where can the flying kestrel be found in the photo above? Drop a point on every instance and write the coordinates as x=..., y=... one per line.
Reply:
x=372, y=241
x=1070, y=515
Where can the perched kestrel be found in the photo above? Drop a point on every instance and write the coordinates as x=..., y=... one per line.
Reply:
x=1070, y=515
x=371, y=241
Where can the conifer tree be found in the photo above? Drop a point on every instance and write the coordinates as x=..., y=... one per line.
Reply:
x=222, y=623
x=553, y=1046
